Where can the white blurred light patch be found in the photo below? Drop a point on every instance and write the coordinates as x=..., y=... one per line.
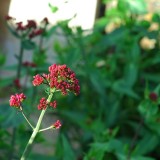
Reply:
x=84, y=10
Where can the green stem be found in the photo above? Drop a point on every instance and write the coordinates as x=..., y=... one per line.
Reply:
x=11, y=151
x=17, y=76
x=27, y=120
x=20, y=61
x=45, y=129
x=35, y=131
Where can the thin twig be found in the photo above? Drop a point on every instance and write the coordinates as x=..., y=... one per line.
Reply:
x=51, y=127
x=27, y=120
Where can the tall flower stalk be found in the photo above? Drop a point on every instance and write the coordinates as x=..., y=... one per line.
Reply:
x=59, y=79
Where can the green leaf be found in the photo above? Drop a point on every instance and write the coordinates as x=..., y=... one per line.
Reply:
x=97, y=81
x=41, y=157
x=98, y=149
x=54, y=9
x=135, y=6
x=135, y=52
x=124, y=157
x=131, y=71
x=64, y=149
x=148, y=108
x=152, y=141
x=121, y=87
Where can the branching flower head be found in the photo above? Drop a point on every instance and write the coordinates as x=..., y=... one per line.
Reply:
x=16, y=100
x=42, y=104
x=57, y=124
x=53, y=104
x=61, y=78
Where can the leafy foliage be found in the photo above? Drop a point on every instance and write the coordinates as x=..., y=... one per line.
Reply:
x=114, y=117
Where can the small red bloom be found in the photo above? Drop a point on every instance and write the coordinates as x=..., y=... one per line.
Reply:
x=153, y=96
x=31, y=24
x=37, y=80
x=17, y=83
x=57, y=124
x=15, y=100
x=42, y=104
x=9, y=18
x=29, y=64
x=20, y=26
x=38, y=32
x=45, y=20
x=53, y=104
x=63, y=79
x=35, y=33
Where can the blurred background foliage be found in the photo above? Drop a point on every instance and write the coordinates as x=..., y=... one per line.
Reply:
x=116, y=116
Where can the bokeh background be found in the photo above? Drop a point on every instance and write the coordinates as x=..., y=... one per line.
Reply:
x=113, y=46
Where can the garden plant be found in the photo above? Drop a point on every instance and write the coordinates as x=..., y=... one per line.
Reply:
x=115, y=115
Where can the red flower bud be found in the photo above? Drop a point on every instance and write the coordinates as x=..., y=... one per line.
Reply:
x=153, y=96
x=57, y=124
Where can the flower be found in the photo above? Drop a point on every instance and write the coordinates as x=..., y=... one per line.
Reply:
x=42, y=104
x=29, y=64
x=57, y=124
x=153, y=27
x=37, y=80
x=15, y=100
x=61, y=78
x=147, y=43
x=53, y=104
x=153, y=96
x=31, y=24
x=17, y=83
x=9, y=18
x=35, y=33
x=45, y=20
x=20, y=26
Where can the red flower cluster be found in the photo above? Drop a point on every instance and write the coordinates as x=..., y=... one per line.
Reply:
x=53, y=104
x=43, y=104
x=57, y=124
x=35, y=33
x=20, y=26
x=8, y=18
x=31, y=29
x=153, y=96
x=17, y=83
x=29, y=64
x=15, y=100
x=31, y=24
x=61, y=78
x=37, y=80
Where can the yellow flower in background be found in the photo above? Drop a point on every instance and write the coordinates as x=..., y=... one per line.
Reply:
x=154, y=27
x=147, y=43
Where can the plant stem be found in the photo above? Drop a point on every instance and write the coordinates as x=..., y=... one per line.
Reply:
x=11, y=151
x=35, y=131
x=27, y=120
x=46, y=129
x=20, y=61
x=17, y=76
